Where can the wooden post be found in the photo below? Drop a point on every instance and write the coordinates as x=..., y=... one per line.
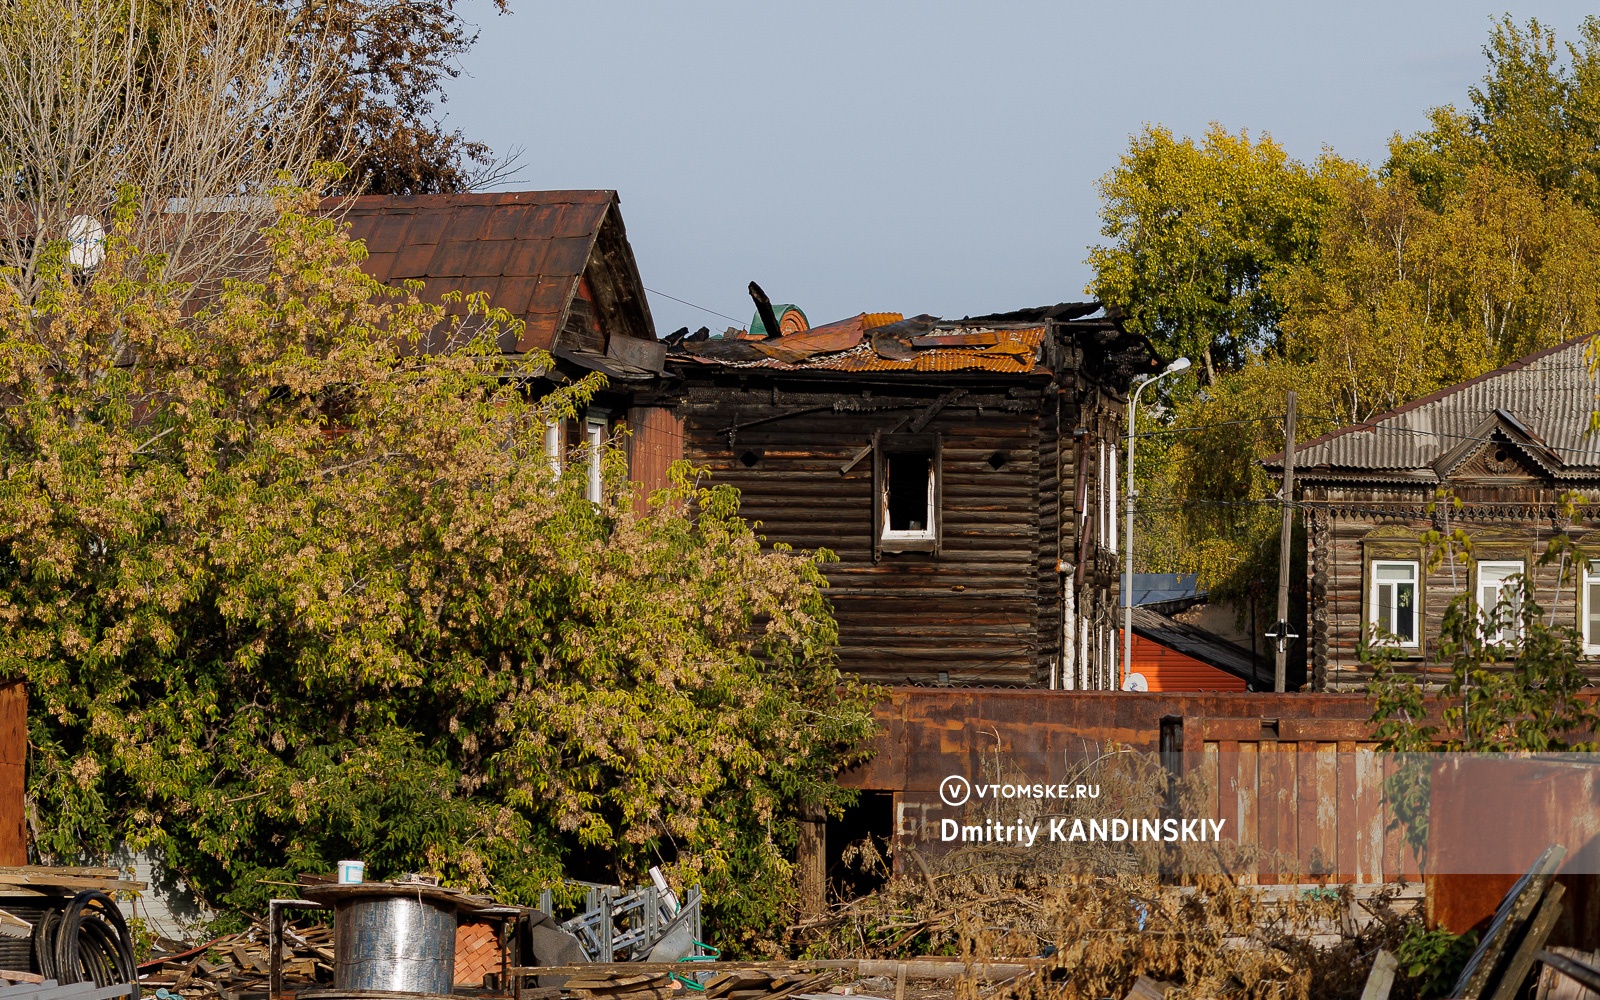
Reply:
x=812, y=860
x=1285, y=536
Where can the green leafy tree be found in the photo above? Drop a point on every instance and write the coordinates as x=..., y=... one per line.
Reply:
x=1476, y=244
x=1196, y=231
x=1536, y=114
x=286, y=590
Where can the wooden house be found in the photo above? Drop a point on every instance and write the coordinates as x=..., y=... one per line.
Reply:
x=559, y=261
x=1493, y=456
x=963, y=472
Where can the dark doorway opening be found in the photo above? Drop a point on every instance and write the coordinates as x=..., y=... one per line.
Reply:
x=858, y=846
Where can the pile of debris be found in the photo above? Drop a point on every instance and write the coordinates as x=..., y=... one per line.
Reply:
x=236, y=966
x=734, y=985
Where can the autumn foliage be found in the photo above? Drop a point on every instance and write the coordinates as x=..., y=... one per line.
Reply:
x=286, y=590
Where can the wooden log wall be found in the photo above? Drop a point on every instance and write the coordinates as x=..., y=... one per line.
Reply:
x=1346, y=527
x=972, y=613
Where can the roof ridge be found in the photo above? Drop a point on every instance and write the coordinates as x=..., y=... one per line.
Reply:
x=1432, y=397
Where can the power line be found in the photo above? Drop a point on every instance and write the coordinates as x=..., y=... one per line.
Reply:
x=742, y=324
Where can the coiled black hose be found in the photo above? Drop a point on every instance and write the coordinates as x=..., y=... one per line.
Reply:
x=86, y=942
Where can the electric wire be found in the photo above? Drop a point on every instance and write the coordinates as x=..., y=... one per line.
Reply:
x=742, y=324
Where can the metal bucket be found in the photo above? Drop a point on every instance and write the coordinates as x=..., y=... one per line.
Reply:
x=399, y=944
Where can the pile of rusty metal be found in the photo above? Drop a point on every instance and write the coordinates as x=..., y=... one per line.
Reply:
x=238, y=966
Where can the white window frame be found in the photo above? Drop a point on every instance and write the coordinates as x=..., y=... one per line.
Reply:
x=1503, y=569
x=1591, y=576
x=1111, y=505
x=595, y=434
x=929, y=530
x=1416, y=602
x=555, y=443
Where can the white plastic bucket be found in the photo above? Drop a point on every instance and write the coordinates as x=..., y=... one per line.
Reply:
x=352, y=872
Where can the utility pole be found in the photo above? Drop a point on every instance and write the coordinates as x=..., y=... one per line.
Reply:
x=1285, y=536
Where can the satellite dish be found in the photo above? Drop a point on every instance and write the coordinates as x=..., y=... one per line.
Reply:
x=1136, y=682
x=88, y=240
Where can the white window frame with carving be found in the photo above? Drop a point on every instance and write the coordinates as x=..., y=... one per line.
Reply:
x=1376, y=603
x=1499, y=571
x=1590, y=603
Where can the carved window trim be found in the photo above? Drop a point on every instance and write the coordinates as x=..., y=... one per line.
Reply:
x=1393, y=544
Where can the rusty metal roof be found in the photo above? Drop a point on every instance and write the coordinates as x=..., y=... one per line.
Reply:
x=1540, y=404
x=529, y=250
x=865, y=343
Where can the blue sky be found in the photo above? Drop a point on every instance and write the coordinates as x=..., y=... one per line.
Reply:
x=924, y=157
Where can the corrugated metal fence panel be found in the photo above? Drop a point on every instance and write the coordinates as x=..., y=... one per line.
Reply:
x=657, y=442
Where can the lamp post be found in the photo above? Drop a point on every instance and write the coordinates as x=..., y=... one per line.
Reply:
x=1180, y=365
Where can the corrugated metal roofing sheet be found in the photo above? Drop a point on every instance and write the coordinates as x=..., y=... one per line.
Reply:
x=1015, y=351
x=526, y=249
x=1201, y=645
x=1551, y=393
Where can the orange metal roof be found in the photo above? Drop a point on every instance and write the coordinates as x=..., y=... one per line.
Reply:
x=846, y=347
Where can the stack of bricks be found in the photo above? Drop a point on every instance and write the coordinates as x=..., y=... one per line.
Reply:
x=477, y=953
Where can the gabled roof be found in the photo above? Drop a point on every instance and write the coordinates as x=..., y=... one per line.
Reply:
x=1539, y=405
x=536, y=254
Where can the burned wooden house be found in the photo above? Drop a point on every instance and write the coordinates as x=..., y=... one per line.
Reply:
x=1493, y=456
x=964, y=473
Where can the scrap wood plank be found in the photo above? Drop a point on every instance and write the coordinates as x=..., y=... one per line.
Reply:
x=1380, y=981
x=1509, y=919
x=616, y=981
x=1580, y=972
x=1532, y=943
x=1145, y=988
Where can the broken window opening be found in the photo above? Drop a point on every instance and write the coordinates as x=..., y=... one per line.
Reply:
x=908, y=494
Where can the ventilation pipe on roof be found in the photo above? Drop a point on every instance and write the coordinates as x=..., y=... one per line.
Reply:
x=769, y=319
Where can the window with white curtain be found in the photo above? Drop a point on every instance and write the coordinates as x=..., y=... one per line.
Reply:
x=1590, y=603
x=1111, y=504
x=1392, y=607
x=1495, y=584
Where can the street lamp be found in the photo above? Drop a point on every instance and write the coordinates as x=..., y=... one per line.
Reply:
x=1180, y=365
